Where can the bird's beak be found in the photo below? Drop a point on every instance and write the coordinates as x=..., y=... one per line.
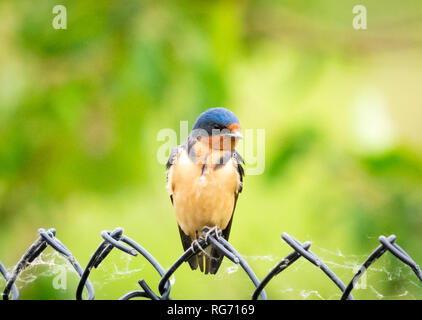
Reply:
x=236, y=134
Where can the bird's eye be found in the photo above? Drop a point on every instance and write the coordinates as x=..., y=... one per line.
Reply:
x=216, y=126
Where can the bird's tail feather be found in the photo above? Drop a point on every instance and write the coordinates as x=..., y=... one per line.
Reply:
x=208, y=262
x=200, y=259
x=193, y=262
x=215, y=260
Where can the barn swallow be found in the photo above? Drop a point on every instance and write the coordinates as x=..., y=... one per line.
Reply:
x=204, y=179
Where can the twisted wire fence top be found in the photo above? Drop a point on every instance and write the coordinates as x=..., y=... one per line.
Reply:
x=210, y=237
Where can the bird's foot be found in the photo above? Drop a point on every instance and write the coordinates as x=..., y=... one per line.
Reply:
x=210, y=231
x=196, y=242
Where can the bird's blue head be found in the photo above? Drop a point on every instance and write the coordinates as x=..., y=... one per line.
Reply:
x=218, y=123
x=217, y=119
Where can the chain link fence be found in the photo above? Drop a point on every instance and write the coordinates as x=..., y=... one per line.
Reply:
x=211, y=237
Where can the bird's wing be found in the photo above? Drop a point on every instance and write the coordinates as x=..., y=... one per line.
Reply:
x=217, y=257
x=174, y=154
x=238, y=160
x=186, y=240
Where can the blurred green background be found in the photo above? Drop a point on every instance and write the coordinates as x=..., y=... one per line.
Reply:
x=80, y=110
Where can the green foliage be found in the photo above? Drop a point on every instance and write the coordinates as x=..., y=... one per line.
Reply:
x=80, y=110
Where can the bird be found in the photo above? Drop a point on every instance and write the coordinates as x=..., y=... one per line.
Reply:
x=204, y=178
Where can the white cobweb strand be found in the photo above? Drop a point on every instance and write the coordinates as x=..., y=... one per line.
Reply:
x=48, y=264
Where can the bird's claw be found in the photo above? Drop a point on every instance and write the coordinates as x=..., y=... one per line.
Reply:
x=196, y=242
x=210, y=231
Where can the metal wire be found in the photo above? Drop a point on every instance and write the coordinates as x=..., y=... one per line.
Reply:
x=46, y=238
x=387, y=244
x=302, y=250
x=6, y=276
x=210, y=237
